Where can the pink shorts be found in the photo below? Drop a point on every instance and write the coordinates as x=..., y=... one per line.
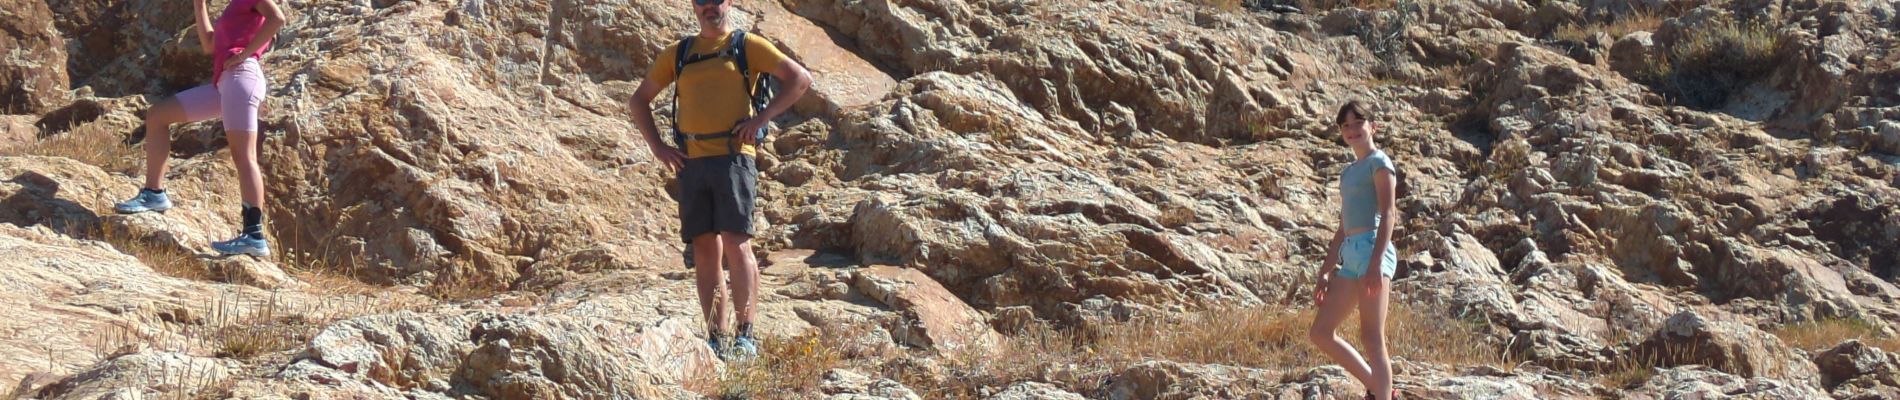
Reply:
x=236, y=98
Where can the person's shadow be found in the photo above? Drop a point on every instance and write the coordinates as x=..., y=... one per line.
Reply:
x=38, y=203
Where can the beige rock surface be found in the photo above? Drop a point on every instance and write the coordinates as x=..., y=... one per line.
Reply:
x=960, y=164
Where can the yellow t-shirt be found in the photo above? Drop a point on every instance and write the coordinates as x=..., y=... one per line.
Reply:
x=712, y=96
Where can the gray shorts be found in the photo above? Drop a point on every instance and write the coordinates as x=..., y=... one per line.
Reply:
x=716, y=194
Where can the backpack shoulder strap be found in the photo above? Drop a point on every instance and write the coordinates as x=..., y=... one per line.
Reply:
x=738, y=49
x=679, y=56
x=745, y=67
x=679, y=64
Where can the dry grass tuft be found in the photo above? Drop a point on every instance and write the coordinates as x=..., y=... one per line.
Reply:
x=1635, y=21
x=162, y=259
x=249, y=340
x=1223, y=5
x=1326, y=5
x=1311, y=6
x=1721, y=59
x=458, y=287
x=91, y=144
x=1632, y=369
x=1824, y=334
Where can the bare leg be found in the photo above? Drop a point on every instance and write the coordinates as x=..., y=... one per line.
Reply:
x=158, y=139
x=243, y=147
x=745, y=275
x=1372, y=311
x=1342, y=295
x=712, y=286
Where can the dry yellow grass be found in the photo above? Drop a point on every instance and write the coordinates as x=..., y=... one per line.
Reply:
x=112, y=340
x=263, y=336
x=1268, y=338
x=1825, y=334
x=1307, y=5
x=457, y=287
x=788, y=368
x=1324, y=5
x=1224, y=5
x=1636, y=21
x=162, y=259
x=1276, y=339
x=90, y=144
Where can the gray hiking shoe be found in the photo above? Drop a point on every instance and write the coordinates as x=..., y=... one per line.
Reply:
x=145, y=201
x=743, y=348
x=244, y=243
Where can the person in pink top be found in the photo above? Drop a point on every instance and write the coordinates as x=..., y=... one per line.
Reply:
x=236, y=44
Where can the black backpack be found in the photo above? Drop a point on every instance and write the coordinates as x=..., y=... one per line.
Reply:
x=759, y=90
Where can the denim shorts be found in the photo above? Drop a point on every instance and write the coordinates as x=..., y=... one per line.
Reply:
x=1356, y=252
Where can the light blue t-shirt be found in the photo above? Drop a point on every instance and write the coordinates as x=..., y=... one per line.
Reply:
x=1359, y=203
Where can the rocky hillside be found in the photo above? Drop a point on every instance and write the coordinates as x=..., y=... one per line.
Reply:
x=993, y=199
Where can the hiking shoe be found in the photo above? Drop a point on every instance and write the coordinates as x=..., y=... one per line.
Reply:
x=244, y=243
x=719, y=347
x=145, y=201
x=743, y=348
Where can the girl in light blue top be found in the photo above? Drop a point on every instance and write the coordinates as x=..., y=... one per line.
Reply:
x=1362, y=244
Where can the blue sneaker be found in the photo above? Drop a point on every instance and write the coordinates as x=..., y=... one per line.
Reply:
x=743, y=348
x=147, y=200
x=244, y=243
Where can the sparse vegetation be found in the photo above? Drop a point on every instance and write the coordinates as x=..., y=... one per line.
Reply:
x=1615, y=27
x=1638, y=364
x=162, y=259
x=1386, y=37
x=1323, y=5
x=1226, y=5
x=1824, y=334
x=1276, y=339
x=1269, y=338
x=1176, y=216
x=1718, y=60
x=248, y=340
x=1628, y=373
x=1312, y=6
x=90, y=144
x=457, y=287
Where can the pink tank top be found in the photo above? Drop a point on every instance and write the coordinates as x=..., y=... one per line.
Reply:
x=235, y=29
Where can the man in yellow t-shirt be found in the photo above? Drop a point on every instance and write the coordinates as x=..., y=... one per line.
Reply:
x=718, y=127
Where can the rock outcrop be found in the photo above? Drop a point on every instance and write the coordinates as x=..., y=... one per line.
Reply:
x=1573, y=188
x=33, y=75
